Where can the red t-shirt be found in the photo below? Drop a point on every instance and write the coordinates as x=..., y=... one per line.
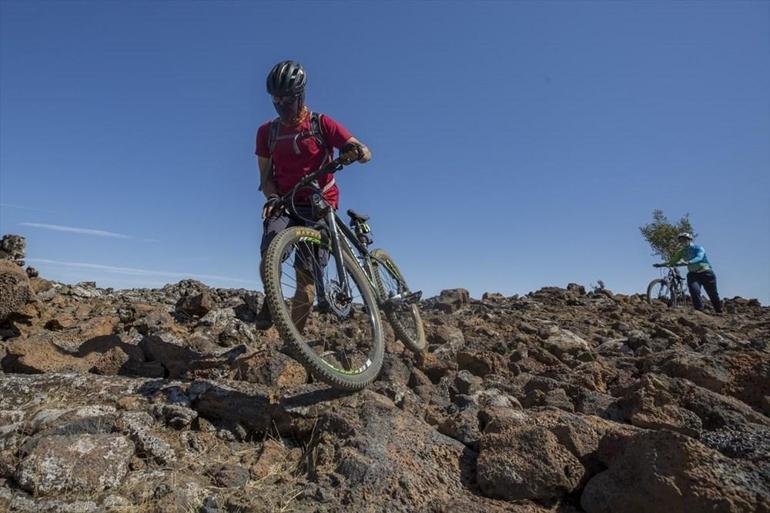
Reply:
x=291, y=166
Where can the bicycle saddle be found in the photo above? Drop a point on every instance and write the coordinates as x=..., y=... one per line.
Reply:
x=355, y=216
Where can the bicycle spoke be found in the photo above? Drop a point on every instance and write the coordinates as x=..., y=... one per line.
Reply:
x=338, y=334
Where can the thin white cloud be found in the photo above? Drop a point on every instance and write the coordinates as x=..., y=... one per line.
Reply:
x=72, y=229
x=141, y=272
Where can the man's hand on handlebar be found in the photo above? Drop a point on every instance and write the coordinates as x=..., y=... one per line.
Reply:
x=675, y=264
x=270, y=203
x=353, y=152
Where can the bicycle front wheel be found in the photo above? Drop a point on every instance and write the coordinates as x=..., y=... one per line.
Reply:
x=659, y=290
x=403, y=317
x=331, y=322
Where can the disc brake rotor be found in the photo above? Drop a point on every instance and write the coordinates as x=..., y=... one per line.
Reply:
x=339, y=303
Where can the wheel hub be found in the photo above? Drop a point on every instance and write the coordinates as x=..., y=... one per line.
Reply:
x=338, y=302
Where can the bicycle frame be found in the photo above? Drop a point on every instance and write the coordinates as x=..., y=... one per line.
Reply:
x=675, y=280
x=338, y=232
x=675, y=283
x=335, y=227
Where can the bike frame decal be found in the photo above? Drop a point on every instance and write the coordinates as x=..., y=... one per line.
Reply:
x=359, y=370
x=308, y=232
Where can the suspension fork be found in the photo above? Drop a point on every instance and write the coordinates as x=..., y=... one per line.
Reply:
x=334, y=234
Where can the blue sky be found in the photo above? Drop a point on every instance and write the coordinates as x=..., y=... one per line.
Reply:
x=516, y=144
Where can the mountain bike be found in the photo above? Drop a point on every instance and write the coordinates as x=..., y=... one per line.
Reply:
x=670, y=289
x=326, y=300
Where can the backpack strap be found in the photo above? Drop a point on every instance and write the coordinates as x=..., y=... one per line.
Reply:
x=316, y=131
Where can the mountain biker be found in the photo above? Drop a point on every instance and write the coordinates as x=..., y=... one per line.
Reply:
x=295, y=144
x=699, y=271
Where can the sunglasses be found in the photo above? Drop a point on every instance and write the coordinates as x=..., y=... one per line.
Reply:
x=284, y=100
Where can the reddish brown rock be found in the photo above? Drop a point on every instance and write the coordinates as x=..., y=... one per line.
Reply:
x=506, y=468
x=451, y=300
x=196, y=305
x=268, y=367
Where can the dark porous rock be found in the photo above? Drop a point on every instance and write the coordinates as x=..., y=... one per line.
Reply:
x=149, y=445
x=481, y=363
x=230, y=476
x=445, y=338
x=564, y=342
x=467, y=383
x=196, y=305
x=15, y=290
x=577, y=289
x=79, y=463
x=389, y=459
x=666, y=471
x=529, y=404
x=747, y=441
x=715, y=411
x=463, y=426
x=433, y=367
x=580, y=434
x=702, y=370
x=149, y=319
x=651, y=405
x=637, y=339
x=394, y=370
x=492, y=297
x=120, y=360
x=249, y=406
x=176, y=416
x=177, y=360
x=542, y=391
x=13, y=248
x=528, y=463
x=451, y=300
x=268, y=366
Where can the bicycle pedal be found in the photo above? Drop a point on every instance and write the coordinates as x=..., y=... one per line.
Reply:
x=413, y=298
x=324, y=307
x=402, y=302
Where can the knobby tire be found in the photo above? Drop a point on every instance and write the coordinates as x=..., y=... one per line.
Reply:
x=343, y=379
x=400, y=320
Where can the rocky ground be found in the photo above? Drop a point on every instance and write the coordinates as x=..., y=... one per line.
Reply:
x=558, y=401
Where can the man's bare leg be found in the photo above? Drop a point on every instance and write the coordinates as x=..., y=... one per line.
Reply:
x=302, y=302
x=264, y=318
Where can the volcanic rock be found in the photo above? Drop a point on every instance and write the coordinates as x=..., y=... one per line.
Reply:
x=561, y=400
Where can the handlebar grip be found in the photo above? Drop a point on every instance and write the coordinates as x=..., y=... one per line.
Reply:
x=351, y=153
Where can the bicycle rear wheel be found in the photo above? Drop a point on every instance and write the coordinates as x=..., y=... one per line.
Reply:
x=403, y=317
x=659, y=290
x=336, y=334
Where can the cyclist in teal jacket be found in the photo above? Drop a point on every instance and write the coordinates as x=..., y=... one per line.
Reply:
x=699, y=272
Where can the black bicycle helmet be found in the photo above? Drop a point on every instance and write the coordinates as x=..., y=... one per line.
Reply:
x=287, y=78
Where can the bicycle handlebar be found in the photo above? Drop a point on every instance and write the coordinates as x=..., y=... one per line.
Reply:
x=669, y=265
x=345, y=159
